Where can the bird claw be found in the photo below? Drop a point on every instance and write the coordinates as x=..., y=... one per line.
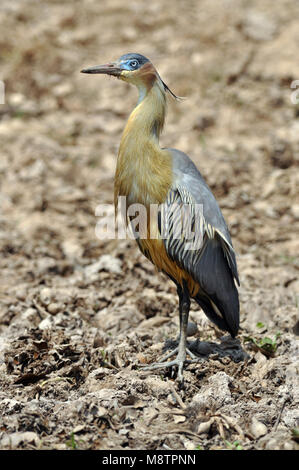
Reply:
x=163, y=365
x=175, y=351
x=178, y=362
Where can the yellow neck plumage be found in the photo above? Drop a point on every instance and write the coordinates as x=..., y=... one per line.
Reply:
x=143, y=172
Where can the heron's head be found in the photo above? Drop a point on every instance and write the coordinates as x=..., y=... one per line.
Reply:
x=132, y=68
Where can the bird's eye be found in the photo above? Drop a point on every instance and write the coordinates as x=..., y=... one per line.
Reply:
x=133, y=63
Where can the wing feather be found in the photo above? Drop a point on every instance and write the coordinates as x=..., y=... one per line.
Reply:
x=208, y=257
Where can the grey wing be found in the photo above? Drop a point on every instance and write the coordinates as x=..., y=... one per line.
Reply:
x=192, y=186
x=211, y=260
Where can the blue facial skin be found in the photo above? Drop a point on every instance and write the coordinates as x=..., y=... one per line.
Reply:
x=132, y=61
x=130, y=65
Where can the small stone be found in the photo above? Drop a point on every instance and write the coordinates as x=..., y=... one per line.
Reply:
x=179, y=419
x=191, y=329
x=54, y=308
x=46, y=295
x=257, y=428
x=72, y=249
x=78, y=428
x=21, y=294
x=100, y=412
x=45, y=324
x=203, y=428
x=171, y=399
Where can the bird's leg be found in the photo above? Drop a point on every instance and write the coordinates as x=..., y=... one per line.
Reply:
x=184, y=308
x=179, y=361
x=180, y=292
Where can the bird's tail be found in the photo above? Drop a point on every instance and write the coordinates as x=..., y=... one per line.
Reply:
x=216, y=316
x=218, y=296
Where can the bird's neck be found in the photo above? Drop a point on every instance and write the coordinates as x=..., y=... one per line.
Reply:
x=147, y=119
x=142, y=165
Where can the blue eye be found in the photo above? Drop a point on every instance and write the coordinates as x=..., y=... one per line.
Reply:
x=133, y=63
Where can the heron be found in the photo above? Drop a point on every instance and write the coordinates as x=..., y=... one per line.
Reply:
x=147, y=174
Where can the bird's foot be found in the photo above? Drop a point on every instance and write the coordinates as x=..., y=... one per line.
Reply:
x=175, y=351
x=178, y=362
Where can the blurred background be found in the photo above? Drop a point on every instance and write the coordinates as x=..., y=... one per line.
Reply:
x=234, y=62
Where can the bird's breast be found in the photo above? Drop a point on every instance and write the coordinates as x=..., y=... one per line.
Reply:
x=143, y=174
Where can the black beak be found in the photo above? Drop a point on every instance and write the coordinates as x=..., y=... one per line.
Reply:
x=108, y=69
